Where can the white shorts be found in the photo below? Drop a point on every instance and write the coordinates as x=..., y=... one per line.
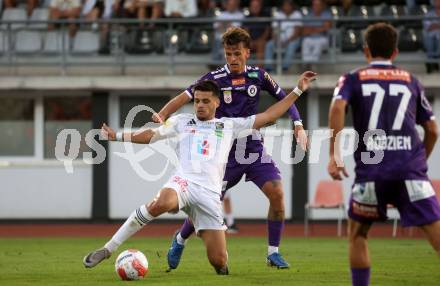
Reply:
x=202, y=205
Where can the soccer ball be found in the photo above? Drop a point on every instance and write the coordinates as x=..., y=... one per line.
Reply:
x=131, y=264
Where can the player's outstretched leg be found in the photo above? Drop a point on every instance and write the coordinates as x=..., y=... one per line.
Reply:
x=135, y=222
x=166, y=201
x=178, y=244
x=95, y=257
x=275, y=223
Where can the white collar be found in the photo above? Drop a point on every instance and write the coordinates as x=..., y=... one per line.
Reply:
x=227, y=68
x=381, y=63
x=228, y=71
x=204, y=121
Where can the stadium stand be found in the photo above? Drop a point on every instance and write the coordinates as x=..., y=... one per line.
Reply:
x=28, y=42
x=14, y=14
x=39, y=14
x=181, y=37
x=86, y=42
x=53, y=42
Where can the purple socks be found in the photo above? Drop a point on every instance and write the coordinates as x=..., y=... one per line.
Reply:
x=187, y=229
x=360, y=276
x=275, y=228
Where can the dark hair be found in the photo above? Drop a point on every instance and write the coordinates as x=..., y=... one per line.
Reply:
x=208, y=85
x=381, y=40
x=236, y=35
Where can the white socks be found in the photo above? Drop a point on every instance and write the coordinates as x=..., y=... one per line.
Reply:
x=272, y=249
x=229, y=218
x=180, y=239
x=135, y=222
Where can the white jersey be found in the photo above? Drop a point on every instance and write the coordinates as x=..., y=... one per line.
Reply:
x=203, y=146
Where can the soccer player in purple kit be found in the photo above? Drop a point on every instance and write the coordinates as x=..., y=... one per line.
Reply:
x=387, y=103
x=241, y=85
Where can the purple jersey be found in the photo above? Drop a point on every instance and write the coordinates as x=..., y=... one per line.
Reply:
x=240, y=95
x=387, y=103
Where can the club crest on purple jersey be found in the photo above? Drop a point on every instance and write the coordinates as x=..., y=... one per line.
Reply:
x=252, y=90
x=227, y=96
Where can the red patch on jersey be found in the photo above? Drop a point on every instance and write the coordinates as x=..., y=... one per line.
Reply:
x=141, y=270
x=239, y=81
x=122, y=274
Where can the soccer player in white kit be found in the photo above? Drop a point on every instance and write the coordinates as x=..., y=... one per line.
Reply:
x=195, y=187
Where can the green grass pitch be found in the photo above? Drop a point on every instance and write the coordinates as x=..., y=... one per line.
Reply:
x=316, y=261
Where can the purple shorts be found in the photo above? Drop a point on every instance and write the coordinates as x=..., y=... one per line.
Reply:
x=257, y=172
x=414, y=199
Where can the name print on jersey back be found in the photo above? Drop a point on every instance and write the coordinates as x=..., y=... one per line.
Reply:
x=388, y=103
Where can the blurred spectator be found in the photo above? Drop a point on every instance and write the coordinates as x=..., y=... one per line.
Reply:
x=259, y=31
x=96, y=9
x=411, y=4
x=206, y=8
x=101, y=9
x=180, y=8
x=144, y=9
x=431, y=30
x=315, y=33
x=289, y=34
x=65, y=9
x=232, y=13
x=345, y=4
x=30, y=5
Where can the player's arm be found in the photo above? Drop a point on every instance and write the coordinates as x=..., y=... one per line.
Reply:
x=274, y=89
x=336, y=124
x=141, y=137
x=431, y=135
x=425, y=117
x=278, y=109
x=172, y=106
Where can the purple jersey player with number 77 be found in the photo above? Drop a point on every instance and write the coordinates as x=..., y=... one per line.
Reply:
x=387, y=103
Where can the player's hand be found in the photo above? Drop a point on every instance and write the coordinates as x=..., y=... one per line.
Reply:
x=305, y=79
x=335, y=169
x=301, y=137
x=108, y=133
x=158, y=117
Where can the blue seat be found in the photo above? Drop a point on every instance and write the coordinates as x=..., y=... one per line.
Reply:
x=200, y=40
x=367, y=2
x=351, y=40
x=139, y=41
x=363, y=12
x=410, y=40
x=395, y=12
